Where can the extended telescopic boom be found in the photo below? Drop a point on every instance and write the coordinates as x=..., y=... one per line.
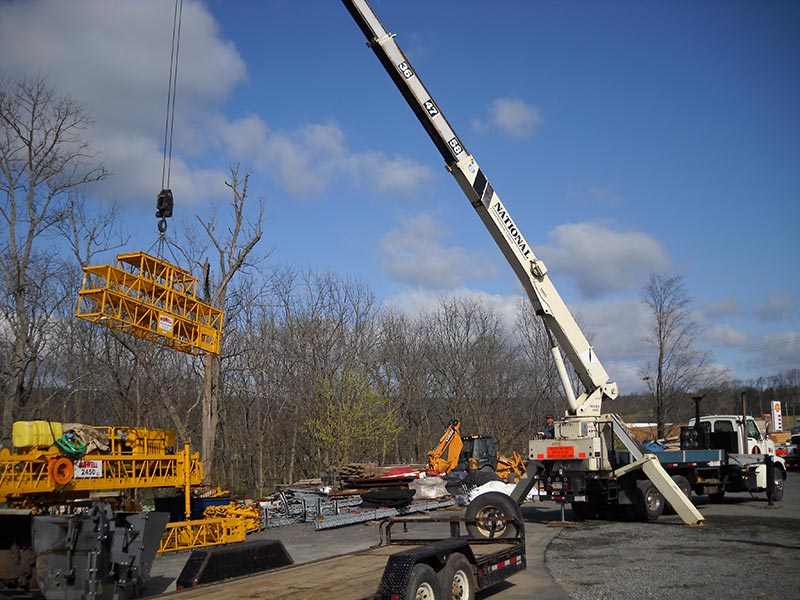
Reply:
x=474, y=183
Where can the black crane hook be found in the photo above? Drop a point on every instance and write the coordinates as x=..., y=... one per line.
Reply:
x=164, y=205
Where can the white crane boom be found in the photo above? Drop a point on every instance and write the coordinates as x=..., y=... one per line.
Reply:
x=495, y=216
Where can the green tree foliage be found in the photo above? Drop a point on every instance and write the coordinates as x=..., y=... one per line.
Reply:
x=350, y=421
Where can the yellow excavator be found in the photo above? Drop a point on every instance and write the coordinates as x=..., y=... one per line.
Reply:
x=456, y=452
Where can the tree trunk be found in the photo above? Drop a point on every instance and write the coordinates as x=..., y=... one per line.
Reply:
x=210, y=409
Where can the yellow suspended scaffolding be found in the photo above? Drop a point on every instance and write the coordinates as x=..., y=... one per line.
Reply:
x=152, y=299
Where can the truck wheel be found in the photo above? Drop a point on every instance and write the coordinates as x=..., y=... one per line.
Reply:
x=423, y=584
x=649, y=501
x=780, y=483
x=457, y=579
x=490, y=511
x=716, y=497
x=684, y=486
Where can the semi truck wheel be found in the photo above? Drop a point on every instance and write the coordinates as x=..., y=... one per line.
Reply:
x=490, y=511
x=423, y=584
x=780, y=482
x=457, y=579
x=649, y=501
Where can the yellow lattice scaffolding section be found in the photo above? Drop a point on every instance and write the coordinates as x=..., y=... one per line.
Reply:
x=152, y=299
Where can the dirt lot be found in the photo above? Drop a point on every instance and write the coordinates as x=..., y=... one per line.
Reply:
x=744, y=550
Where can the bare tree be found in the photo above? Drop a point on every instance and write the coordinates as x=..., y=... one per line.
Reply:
x=233, y=251
x=677, y=368
x=43, y=159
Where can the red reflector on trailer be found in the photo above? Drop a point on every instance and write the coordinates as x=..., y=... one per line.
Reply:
x=581, y=454
x=540, y=456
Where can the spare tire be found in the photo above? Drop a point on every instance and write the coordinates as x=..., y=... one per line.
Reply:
x=489, y=514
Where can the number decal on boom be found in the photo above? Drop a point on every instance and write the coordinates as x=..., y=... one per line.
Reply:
x=455, y=146
x=430, y=107
x=406, y=70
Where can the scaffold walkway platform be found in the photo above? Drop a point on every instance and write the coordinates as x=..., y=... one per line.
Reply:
x=152, y=299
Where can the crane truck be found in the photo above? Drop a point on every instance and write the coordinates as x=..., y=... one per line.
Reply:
x=583, y=453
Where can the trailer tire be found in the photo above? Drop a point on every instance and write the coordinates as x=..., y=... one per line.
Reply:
x=780, y=482
x=684, y=486
x=423, y=584
x=649, y=501
x=457, y=579
x=490, y=511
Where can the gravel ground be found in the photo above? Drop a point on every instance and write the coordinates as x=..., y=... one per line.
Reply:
x=744, y=550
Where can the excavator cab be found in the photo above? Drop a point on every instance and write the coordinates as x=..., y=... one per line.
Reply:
x=478, y=451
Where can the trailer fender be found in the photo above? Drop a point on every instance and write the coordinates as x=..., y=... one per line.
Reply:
x=398, y=571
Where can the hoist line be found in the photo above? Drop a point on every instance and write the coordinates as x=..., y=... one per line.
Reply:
x=169, y=125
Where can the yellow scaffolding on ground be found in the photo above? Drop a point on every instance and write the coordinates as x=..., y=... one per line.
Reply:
x=185, y=535
x=152, y=299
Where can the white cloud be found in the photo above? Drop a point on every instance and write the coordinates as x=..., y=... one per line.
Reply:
x=418, y=301
x=315, y=156
x=416, y=253
x=602, y=260
x=113, y=57
x=512, y=116
x=776, y=352
x=721, y=308
x=778, y=305
x=724, y=335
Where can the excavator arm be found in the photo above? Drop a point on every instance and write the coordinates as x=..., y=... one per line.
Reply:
x=444, y=458
x=531, y=271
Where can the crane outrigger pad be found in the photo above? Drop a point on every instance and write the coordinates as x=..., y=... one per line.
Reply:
x=151, y=299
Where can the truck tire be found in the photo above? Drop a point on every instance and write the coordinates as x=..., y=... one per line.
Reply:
x=780, y=483
x=457, y=579
x=423, y=584
x=649, y=501
x=684, y=486
x=716, y=497
x=489, y=511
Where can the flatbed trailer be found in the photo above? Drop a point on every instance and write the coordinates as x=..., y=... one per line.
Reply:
x=400, y=567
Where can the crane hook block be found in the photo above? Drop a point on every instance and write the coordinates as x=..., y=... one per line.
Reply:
x=164, y=204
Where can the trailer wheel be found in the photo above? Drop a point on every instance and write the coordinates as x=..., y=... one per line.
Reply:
x=649, y=501
x=490, y=511
x=457, y=579
x=780, y=483
x=423, y=584
x=684, y=486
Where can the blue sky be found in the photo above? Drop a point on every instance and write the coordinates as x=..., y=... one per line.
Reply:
x=624, y=137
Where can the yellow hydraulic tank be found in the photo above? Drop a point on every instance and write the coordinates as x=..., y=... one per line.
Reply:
x=35, y=434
